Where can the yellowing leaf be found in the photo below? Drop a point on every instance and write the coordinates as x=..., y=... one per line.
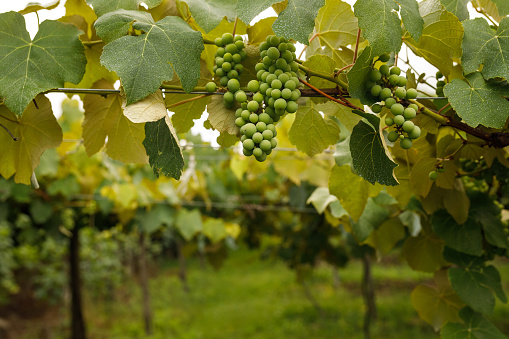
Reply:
x=385, y=237
x=351, y=190
x=220, y=117
x=214, y=229
x=151, y=108
x=310, y=132
x=259, y=31
x=37, y=130
x=440, y=42
x=104, y=118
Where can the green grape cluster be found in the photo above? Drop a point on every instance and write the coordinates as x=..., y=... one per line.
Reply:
x=228, y=67
x=274, y=93
x=386, y=84
x=440, y=84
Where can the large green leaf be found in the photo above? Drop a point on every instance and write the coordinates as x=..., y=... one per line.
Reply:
x=297, y=20
x=357, y=77
x=102, y=7
x=335, y=27
x=104, y=119
x=166, y=45
x=424, y=252
x=457, y=7
x=27, y=68
x=209, y=13
x=370, y=157
x=502, y=6
x=163, y=149
x=465, y=238
x=259, y=31
x=214, y=229
x=248, y=9
x=411, y=17
x=310, y=132
x=486, y=49
x=37, y=130
x=479, y=102
x=487, y=213
x=440, y=43
x=476, y=285
x=189, y=223
x=475, y=326
x=380, y=24
x=220, y=117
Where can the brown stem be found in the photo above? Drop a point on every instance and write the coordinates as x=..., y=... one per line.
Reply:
x=7, y=130
x=441, y=109
x=187, y=100
x=235, y=26
x=356, y=45
x=343, y=101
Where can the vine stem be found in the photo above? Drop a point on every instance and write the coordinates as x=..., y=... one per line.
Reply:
x=442, y=109
x=187, y=100
x=343, y=101
x=311, y=72
x=235, y=25
x=356, y=46
x=10, y=133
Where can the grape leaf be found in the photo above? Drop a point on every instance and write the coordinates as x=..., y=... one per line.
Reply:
x=323, y=64
x=166, y=45
x=102, y=7
x=35, y=6
x=248, y=9
x=297, y=20
x=466, y=238
x=27, y=68
x=342, y=182
x=259, y=31
x=209, y=13
x=491, y=9
x=457, y=7
x=438, y=304
x=478, y=101
x=214, y=229
x=474, y=326
x=163, y=149
x=104, y=118
x=502, y=7
x=150, y=221
x=321, y=198
x=165, y=8
x=343, y=113
x=372, y=217
x=440, y=42
x=475, y=286
x=370, y=157
x=357, y=77
x=424, y=252
x=189, y=223
x=487, y=213
x=484, y=48
x=310, y=132
x=151, y=108
x=335, y=27
x=411, y=17
x=37, y=130
x=80, y=8
x=220, y=117
x=380, y=25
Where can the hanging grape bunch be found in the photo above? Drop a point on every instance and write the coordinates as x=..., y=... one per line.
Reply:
x=440, y=84
x=386, y=84
x=228, y=67
x=274, y=93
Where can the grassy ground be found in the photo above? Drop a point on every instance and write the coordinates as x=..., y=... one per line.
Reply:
x=253, y=299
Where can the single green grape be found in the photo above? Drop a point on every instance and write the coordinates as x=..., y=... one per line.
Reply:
x=253, y=117
x=411, y=93
x=393, y=136
x=399, y=120
x=273, y=143
x=231, y=48
x=374, y=75
x=406, y=143
x=273, y=53
x=400, y=93
x=402, y=81
x=384, y=69
x=416, y=133
x=389, y=102
x=393, y=79
x=280, y=103
x=248, y=144
x=239, y=122
x=385, y=94
x=257, y=137
x=267, y=134
x=261, y=126
x=395, y=70
x=228, y=97
x=408, y=126
x=375, y=90
x=389, y=121
x=286, y=93
x=257, y=152
x=441, y=169
x=252, y=106
x=397, y=109
x=227, y=38
x=376, y=108
x=245, y=114
x=409, y=113
x=210, y=87
x=439, y=75
x=291, y=106
x=253, y=86
x=384, y=57
x=258, y=97
x=275, y=93
x=264, y=117
x=218, y=42
x=240, y=96
x=433, y=175
x=414, y=106
x=233, y=85
x=440, y=83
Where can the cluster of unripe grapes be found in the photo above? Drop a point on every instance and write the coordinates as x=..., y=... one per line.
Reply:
x=439, y=168
x=228, y=67
x=387, y=85
x=440, y=84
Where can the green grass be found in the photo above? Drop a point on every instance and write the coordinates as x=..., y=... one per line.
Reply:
x=254, y=299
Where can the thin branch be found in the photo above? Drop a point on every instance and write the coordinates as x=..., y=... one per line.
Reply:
x=442, y=109
x=235, y=25
x=311, y=72
x=306, y=46
x=7, y=130
x=187, y=100
x=356, y=46
x=343, y=101
x=342, y=69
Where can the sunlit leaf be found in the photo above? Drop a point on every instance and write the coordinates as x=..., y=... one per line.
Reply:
x=297, y=20
x=220, y=117
x=209, y=13
x=36, y=6
x=457, y=7
x=102, y=7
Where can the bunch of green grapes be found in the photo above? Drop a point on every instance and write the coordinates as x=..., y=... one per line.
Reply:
x=387, y=85
x=440, y=84
x=274, y=93
x=228, y=67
